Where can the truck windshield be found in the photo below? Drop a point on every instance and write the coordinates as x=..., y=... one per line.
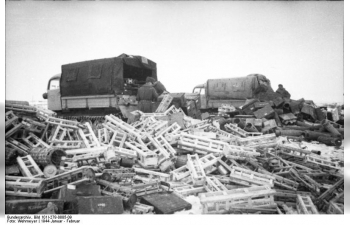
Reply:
x=54, y=84
x=199, y=91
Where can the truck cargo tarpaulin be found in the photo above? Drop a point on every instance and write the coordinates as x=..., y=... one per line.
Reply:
x=237, y=88
x=104, y=76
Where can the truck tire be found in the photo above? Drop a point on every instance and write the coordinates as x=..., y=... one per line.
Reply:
x=181, y=161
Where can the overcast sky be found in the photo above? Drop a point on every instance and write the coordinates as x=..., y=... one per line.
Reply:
x=298, y=44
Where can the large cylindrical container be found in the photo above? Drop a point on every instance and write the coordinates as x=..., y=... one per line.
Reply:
x=332, y=141
x=295, y=128
x=46, y=156
x=311, y=126
x=293, y=133
x=331, y=129
x=313, y=135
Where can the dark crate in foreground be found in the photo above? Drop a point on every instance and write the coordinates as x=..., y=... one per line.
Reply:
x=100, y=205
x=165, y=203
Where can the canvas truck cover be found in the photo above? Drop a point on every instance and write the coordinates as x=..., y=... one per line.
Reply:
x=236, y=88
x=231, y=88
x=104, y=76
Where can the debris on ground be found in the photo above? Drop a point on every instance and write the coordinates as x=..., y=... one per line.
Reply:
x=278, y=156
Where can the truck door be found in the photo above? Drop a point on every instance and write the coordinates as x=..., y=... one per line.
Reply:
x=54, y=95
x=203, y=99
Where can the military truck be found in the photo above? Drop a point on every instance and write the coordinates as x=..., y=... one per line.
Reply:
x=233, y=91
x=92, y=89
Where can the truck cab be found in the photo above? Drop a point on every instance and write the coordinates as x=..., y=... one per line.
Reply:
x=53, y=93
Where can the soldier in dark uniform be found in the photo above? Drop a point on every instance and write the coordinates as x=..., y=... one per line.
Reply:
x=146, y=94
x=158, y=86
x=282, y=91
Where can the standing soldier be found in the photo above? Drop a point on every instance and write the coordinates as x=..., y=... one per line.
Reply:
x=159, y=87
x=283, y=92
x=146, y=94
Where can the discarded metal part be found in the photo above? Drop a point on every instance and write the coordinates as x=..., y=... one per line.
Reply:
x=266, y=140
x=309, y=110
x=332, y=141
x=132, y=131
x=88, y=136
x=294, y=133
x=71, y=177
x=265, y=112
x=33, y=206
x=249, y=127
x=28, y=167
x=13, y=130
x=35, y=142
x=249, y=210
x=313, y=135
x=12, y=170
x=142, y=209
x=206, y=161
x=44, y=113
x=46, y=156
x=335, y=208
x=269, y=124
x=100, y=205
x=288, y=118
x=310, y=185
x=305, y=205
x=323, y=200
x=34, y=126
x=50, y=171
x=213, y=184
x=250, y=197
x=20, y=108
x=160, y=202
x=66, y=144
x=196, y=170
x=247, y=177
x=103, y=136
x=74, y=152
x=146, y=157
x=160, y=176
x=24, y=186
x=233, y=128
x=164, y=104
x=234, y=150
x=194, y=143
x=330, y=128
x=62, y=122
x=288, y=197
x=147, y=188
x=293, y=152
x=188, y=190
x=322, y=162
x=16, y=149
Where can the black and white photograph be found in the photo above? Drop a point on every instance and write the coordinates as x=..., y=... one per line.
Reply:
x=174, y=107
